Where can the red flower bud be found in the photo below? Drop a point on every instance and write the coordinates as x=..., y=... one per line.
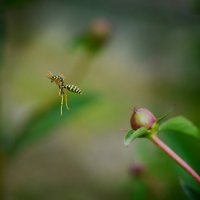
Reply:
x=142, y=117
x=136, y=170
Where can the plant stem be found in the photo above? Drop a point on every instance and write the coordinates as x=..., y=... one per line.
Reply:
x=175, y=157
x=2, y=174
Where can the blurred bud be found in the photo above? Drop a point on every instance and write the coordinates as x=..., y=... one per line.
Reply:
x=142, y=117
x=95, y=37
x=101, y=29
x=98, y=35
x=136, y=170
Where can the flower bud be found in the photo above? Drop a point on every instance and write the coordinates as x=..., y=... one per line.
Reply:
x=136, y=170
x=101, y=29
x=142, y=117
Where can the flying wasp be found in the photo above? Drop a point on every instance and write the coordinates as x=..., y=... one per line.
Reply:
x=59, y=80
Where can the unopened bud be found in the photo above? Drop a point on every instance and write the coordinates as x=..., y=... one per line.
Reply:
x=137, y=170
x=142, y=117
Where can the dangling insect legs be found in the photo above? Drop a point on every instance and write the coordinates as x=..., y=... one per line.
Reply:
x=66, y=101
x=61, y=105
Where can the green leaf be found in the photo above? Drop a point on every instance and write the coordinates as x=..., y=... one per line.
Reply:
x=191, y=193
x=132, y=135
x=44, y=121
x=181, y=125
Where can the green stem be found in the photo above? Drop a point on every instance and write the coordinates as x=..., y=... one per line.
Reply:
x=2, y=174
x=175, y=157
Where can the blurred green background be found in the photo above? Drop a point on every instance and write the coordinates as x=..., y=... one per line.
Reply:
x=121, y=54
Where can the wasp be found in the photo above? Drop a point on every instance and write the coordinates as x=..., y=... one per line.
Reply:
x=59, y=80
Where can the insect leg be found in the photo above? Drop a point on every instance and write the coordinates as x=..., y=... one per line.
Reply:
x=62, y=97
x=66, y=101
x=60, y=92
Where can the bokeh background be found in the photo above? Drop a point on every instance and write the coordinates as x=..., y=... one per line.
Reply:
x=121, y=54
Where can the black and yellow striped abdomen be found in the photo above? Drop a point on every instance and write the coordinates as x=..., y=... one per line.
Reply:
x=73, y=88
